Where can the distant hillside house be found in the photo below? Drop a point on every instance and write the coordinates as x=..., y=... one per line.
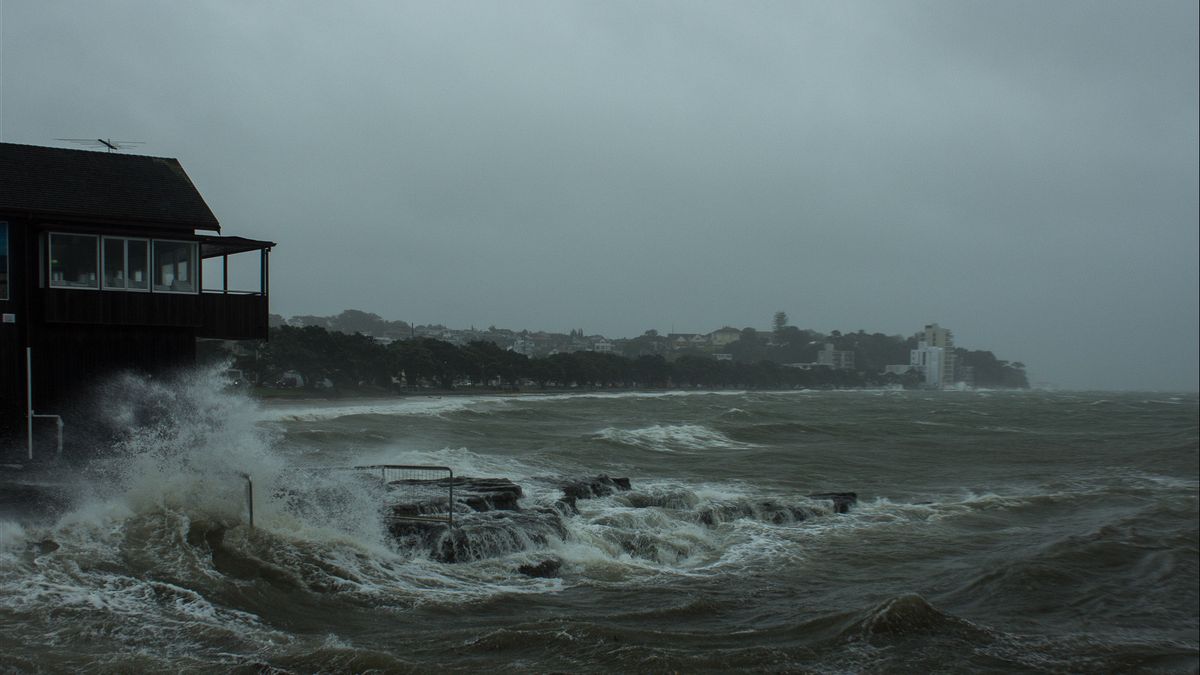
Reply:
x=688, y=341
x=836, y=359
x=102, y=260
x=724, y=336
x=600, y=345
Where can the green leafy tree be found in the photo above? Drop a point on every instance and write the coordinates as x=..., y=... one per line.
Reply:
x=780, y=322
x=748, y=347
x=993, y=372
x=413, y=359
x=449, y=363
x=651, y=370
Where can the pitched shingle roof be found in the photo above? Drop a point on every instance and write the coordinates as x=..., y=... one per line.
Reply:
x=100, y=186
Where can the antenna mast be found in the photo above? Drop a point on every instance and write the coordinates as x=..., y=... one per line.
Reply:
x=107, y=143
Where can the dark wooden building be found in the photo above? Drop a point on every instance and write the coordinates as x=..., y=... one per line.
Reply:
x=101, y=269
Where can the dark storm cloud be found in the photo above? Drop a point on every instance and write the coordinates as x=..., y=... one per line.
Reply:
x=1024, y=173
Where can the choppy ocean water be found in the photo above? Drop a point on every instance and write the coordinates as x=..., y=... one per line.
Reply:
x=1028, y=531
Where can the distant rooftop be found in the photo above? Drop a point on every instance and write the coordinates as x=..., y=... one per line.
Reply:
x=82, y=185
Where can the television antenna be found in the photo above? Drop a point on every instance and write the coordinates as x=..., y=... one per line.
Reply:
x=107, y=143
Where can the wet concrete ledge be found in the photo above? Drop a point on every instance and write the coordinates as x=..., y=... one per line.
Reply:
x=30, y=493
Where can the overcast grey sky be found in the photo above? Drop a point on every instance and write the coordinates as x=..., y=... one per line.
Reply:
x=1024, y=173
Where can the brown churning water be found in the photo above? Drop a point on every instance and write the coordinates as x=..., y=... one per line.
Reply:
x=994, y=531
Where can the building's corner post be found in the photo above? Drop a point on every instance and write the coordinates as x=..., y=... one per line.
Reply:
x=264, y=272
x=29, y=398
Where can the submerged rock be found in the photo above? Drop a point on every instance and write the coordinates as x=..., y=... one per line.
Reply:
x=567, y=506
x=715, y=512
x=487, y=494
x=842, y=501
x=678, y=500
x=485, y=534
x=470, y=494
x=45, y=546
x=544, y=570
x=599, y=486
x=490, y=522
x=769, y=511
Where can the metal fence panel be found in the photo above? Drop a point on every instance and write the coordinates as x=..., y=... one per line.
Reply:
x=424, y=493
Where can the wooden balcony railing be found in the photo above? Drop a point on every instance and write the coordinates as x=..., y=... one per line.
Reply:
x=233, y=316
x=224, y=315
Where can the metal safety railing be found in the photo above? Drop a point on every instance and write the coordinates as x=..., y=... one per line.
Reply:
x=58, y=423
x=419, y=492
x=420, y=489
x=31, y=415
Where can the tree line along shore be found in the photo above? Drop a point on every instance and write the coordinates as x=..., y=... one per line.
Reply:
x=299, y=360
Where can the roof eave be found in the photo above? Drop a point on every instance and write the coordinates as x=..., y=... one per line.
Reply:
x=72, y=217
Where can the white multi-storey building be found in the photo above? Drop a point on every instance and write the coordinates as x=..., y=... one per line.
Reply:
x=934, y=355
x=936, y=336
x=837, y=359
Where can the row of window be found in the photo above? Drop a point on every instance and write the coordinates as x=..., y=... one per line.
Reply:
x=122, y=264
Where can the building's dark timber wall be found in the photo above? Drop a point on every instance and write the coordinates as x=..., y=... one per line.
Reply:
x=12, y=381
x=233, y=317
x=13, y=335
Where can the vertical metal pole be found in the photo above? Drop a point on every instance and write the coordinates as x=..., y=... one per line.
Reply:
x=264, y=267
x=250, y=498
x=225, y=274
x=29, y=396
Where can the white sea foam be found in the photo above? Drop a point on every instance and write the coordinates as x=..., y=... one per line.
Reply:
x=425, y=406
x=612, y=541
x=309, y=411
x=463, y=461
x=671, y=438
x=674, y=393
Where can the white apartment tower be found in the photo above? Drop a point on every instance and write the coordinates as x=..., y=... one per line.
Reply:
x=936, y=336
x=934, y=355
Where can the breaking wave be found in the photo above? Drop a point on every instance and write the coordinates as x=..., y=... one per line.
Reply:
x=671, y=438
x=424, y=406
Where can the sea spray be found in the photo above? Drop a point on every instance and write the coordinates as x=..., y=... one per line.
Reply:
x=182, y=443
x=190, y=444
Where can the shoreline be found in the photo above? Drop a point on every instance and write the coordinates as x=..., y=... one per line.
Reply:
x=284, y=396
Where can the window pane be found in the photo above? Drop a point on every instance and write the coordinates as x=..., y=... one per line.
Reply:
x=114, y=263
x=136, y=264
x=3, y=261
x=73, y=261
x=175, y=266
